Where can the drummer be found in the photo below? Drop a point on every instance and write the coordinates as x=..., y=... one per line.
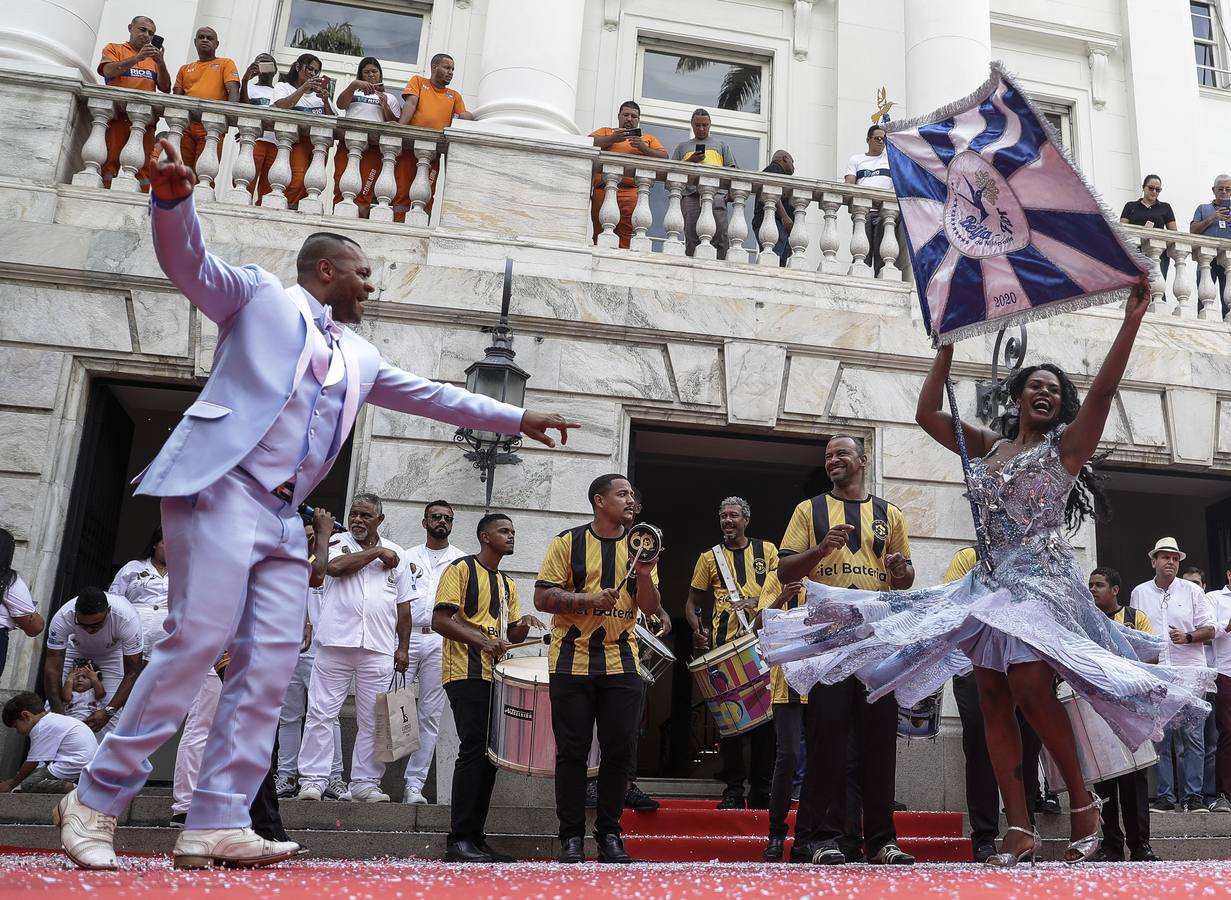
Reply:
x=848, y=538
x=472, y=600
x=731, y=576
x=593, y=671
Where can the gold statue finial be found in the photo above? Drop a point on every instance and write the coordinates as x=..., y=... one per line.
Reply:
x=883, y=105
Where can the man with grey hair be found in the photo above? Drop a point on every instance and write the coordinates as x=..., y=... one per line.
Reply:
x=731, y=576
x=1214, y=220
x=364, y=633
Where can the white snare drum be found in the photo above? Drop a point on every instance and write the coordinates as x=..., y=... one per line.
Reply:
x=656, y=660
x=1101, y=754
x=519, y=736
x=921, y=720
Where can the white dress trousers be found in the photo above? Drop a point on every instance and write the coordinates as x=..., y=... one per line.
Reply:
x=327, y=690
x=192, y=743
x=291, y=723
x=425, y=668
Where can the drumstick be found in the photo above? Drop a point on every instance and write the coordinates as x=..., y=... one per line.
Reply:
x=631, y=565
x=531, y=642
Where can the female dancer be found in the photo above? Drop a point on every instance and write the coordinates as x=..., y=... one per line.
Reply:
x=1031, y=618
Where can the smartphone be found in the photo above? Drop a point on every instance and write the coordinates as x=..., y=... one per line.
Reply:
x=156, y=40
x=633, y=132
x=267, y=67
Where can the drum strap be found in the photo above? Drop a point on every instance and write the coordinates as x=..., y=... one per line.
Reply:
x=724, y=572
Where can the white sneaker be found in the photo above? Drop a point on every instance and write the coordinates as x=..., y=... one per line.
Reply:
x=415, y=797
x=309, y=792
x=199, y=848
x=87, y=836
x=368, y=794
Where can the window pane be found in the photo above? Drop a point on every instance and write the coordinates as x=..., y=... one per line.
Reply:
x=701, y=82
x=1204, y=54
x=1203, y=25
x=352, y=31
x=1057, y=121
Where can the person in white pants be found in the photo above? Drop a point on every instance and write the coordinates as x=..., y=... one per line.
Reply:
x=143, y=583
x=192, y=742
x=428, y=561
x=364, y=632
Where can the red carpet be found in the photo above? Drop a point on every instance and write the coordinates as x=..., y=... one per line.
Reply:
x=42, y=875
x=694, y=831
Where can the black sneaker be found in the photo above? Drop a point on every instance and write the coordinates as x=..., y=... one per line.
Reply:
x=592, y=794
x=801, y=852
x=177, y=820
x=1105, y=855
x=892, y=855
x=1162, y=804
x=984, y=851
x=773, y=849
x=635, y=798
x=731, y=800
x=1048, y=804
x=1195, y=804
x=828, y=856
x=1144, y=853
x=1221, y=805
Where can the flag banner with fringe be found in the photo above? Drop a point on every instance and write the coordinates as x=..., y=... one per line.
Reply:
x=1001, y=226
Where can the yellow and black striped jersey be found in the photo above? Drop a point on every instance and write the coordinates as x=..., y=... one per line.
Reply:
x=780, y=691
x=476, y=593
x=880, y=530
x=593, y=642
x=963, y=561
x=1133, y=618
x=749, y=567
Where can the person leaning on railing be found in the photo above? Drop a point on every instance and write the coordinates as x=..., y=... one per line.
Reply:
x=628, y=138
x=304, y=90
x=711, y=152
x=137, y=65
x=260, y=92
x=210, y=77
x=366, y=99
x=1214, y=220
x=426, y=103
x=1150, y=212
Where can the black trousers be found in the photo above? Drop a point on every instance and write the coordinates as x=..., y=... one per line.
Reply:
x=788, y=728
x=474, y=775
x=982, y=792
x=1128, y=793
x=759, y=743
x=578, y=703
x=835, y=712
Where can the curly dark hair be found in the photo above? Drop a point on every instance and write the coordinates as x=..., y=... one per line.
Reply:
x=1087, y=499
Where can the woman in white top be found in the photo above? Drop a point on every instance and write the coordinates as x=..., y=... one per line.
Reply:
x=365, y=98
x=17, y=609
x=264, y=69
x=143, y=583
x=304, y=89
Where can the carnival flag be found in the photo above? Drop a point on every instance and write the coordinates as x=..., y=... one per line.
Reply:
x=1001, y=226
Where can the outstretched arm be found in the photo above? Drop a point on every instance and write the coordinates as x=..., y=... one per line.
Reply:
x=938, y=423
x=216, y=288
x=1081, y=438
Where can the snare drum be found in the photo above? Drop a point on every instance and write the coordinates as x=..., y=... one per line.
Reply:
x=1101, y=754
x=519, y=736
x=656, y=660
x=734, y=680
x=921, y=720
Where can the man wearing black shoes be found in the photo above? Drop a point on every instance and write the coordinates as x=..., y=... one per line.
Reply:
x=472, y=600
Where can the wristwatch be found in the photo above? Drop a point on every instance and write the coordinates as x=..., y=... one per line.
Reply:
x=110, y=711
x=1188, y=637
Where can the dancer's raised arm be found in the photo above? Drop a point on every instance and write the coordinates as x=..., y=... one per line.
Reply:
x=938, y=423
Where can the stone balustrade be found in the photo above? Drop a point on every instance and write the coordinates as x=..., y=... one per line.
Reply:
x=1190, y=290
x=244, y=124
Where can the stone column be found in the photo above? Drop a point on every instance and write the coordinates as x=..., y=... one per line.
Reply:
x=530, y=64
x=53, y=36
x=948, y=47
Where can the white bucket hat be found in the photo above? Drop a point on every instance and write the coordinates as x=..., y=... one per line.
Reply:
x=1168, y=544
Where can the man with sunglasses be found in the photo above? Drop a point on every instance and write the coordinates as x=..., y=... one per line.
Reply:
x=105, y=629
x=871, y=169
x=428, y=561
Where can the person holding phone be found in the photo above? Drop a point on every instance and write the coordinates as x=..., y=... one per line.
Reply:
x=366, y=99
x=627, y=138
x=257, y=88
x=136, y=64
x=1150, y=212
x=211, y=77
x=707, y=151
x=304, y=90
x=427, y=103
x=1214, y=220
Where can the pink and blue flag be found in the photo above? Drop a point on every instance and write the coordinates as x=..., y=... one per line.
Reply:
x=1001, y=226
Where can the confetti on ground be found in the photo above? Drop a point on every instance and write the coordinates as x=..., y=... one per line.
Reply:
x=47, y=875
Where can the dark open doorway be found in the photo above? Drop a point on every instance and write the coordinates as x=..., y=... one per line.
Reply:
x=684, y=474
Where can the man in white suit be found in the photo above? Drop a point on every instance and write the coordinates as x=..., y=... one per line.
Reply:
x=287, y=381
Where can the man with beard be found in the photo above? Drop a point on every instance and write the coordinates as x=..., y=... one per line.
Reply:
x=733, y=575
x=364, y=633
x=848, y=538
x=594, y=673
x=428, y=562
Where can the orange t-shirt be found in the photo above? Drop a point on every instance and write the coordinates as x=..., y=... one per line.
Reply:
x=437, y=106
x=207, y=79
x=625, y=146
x=141, y=76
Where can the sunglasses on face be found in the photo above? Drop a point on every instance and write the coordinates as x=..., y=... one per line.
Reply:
x=877, y=140
x=1153, y=189
x=441, y=517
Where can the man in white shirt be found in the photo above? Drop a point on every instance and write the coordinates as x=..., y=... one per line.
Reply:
x=428, y=561
x=1220, y=607
x=105, y=629
x=60, y=746
x=1179, y=609
x=364, y=632
x=871, y=169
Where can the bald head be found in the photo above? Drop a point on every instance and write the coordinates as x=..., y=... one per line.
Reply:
x=334, y=269
x=140, y=30
x=323, y=245
x=785, y=160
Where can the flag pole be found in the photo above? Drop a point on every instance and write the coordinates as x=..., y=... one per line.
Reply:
x=981, y=543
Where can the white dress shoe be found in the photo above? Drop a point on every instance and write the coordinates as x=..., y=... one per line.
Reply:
x=87, y=836
x=199, y=848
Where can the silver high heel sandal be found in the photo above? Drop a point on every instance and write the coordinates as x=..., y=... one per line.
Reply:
x=1090, y=844
x=1008, y=860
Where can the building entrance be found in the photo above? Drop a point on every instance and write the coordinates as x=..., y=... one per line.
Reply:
x=683, y=475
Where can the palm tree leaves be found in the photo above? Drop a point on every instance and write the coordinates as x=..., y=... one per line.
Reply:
x=741, y=84
x=336, y=38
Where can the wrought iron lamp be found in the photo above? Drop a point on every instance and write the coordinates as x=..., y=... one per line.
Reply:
x=497, y=376
x=991, y=395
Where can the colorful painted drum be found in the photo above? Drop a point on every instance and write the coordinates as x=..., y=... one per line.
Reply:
x=520, y=738
x=734, y=680
x=1100, y=753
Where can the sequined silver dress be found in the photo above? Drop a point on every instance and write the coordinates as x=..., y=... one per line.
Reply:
x=1033, y=606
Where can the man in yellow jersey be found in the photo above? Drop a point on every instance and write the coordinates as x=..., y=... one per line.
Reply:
x=1130, y=792
x=593, y=666
x=789, y=707
x=848, y=538
x=468, y=613
x=733, y=574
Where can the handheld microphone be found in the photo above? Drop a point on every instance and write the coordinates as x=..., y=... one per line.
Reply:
x=306, y=512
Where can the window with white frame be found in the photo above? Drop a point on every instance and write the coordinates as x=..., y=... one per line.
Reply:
x=673, y=80
x=341, y=32
x=1060, y=117
x=1209, y=44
